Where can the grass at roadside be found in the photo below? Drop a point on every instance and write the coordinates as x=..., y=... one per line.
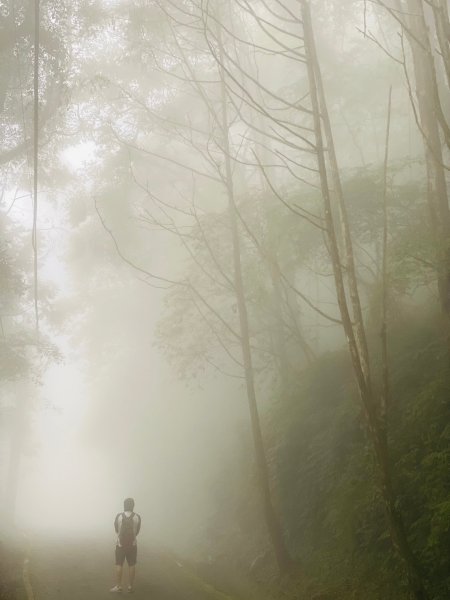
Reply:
x=12, y=554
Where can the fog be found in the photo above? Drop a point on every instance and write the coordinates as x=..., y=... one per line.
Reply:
x=118, y=425
x=225, y=273
x=77, y=481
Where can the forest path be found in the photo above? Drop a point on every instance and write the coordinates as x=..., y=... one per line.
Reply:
x=77, y=570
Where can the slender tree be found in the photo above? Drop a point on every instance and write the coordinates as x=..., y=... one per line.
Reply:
x=290, y=123
x=212, y=159
x=369, y=398
x=426, y=97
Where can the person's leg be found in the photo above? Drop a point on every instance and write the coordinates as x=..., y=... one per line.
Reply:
x=120, y=557
x=131, y=560
x=132, y=574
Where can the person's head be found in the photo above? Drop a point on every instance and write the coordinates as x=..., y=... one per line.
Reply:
x=128, y=504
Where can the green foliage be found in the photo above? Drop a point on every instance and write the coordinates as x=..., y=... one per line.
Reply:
x=325, y=468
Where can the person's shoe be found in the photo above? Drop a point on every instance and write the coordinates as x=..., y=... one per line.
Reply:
x=116, y=589
x=130, y=589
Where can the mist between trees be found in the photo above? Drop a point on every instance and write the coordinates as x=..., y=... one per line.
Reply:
x=225, y=268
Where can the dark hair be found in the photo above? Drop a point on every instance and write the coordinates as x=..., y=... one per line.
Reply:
x=128, y=504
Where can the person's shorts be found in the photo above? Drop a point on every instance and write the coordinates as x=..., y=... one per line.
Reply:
x=126, y=553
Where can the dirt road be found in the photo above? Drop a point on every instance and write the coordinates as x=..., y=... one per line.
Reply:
x=82, y=570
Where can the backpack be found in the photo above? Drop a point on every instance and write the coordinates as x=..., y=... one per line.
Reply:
x=126, y=533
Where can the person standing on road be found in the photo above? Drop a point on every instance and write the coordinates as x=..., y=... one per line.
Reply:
x=127, y=525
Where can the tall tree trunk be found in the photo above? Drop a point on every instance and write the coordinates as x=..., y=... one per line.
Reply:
x=384, y=280
x=272, y=521
x=349, y=263
x=442, y=24
x=430, y=120
x=366, y=392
